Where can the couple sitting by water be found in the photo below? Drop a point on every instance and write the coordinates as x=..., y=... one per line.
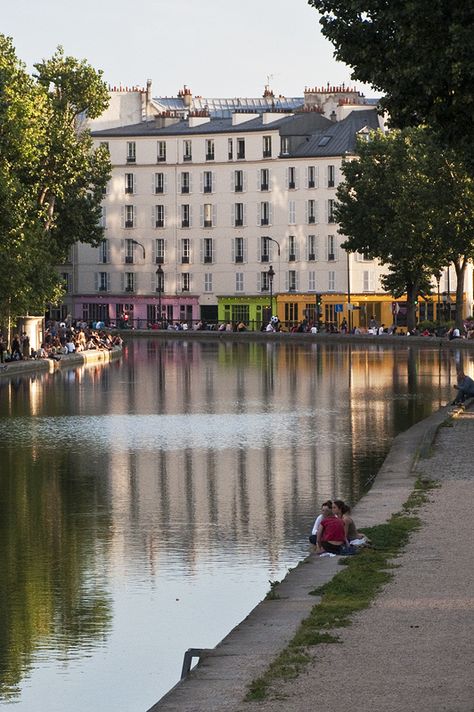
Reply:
x=334, y=531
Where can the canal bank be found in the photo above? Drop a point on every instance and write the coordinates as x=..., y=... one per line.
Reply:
x=220, y=681
x=49, y=365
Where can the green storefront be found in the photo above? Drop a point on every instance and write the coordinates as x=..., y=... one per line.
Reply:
x=253, y=311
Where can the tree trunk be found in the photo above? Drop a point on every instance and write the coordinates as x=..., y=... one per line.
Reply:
x=412, y=295
x=460, y=267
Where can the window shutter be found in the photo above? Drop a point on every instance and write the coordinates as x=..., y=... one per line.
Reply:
x=269, y=179
x=190, y=182
x=153, y=251
x=245, y=249
x=201, y=215
x=165, y=183
x=154, y=182
x=232, y=214
x=297, y=281
x=270, y=250
x=178, y=183
x=153, y=215
x=214, y=182
x=107, y=281
x=259, y=213
x=336, y=249
x=214, y=251
x=259, y=178
x=244, y=181
x=287, y=177
x=306, y=211
x=232, y=253
x=306, y=176
x=316, y=247
x=297, y=178
x=134, y=183
x=201, y=250
x=232, y=181
x=316, y=176
x=122, y=251
x=286, y=281
x=96, y=281
x=316, y=211
x=201, y=182
x=297, y=249
x=165, y=215
x=270, y=214
x=122, y=216
x=122, y=282
x=371, y=281
x=190, y=216
x=259, y=281
x=214, y=215
x=245, y=214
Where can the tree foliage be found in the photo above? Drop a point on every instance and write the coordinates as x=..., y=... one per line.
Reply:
x=404, y=202
x=418, y=53
x=51, y=179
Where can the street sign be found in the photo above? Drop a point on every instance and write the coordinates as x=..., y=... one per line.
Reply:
x=395, y=307
x=338, y=308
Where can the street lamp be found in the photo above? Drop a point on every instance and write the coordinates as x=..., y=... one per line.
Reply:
x=135, y=242
x=159, y=287
x=271, y=274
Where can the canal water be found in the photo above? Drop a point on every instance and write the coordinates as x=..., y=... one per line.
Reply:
x=146, y=505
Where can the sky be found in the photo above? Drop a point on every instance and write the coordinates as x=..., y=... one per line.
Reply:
x=216, y=48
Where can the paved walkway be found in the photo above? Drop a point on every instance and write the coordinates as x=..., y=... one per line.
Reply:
x=413, y=650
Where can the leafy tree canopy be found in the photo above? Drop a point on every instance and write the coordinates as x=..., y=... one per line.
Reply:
x=404, y=202
x=418, y=53
x=51, y=179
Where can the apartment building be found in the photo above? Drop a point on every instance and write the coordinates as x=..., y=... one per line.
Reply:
x=224, y=209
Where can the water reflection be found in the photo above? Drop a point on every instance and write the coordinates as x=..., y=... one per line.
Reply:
x=145, y=505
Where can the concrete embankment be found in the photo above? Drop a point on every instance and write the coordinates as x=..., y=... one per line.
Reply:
x=220, y=681
x=48, y=365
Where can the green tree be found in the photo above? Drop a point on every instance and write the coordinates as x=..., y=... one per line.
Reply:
x=402, y=202
x=418, y=53
x=51, y=179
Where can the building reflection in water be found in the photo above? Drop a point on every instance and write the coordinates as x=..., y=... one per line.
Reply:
x=189, y=459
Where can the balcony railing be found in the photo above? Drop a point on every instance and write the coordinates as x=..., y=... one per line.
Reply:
x=129, y=259
x=207, y=259
x=129, y=223
x=238, y=222
x=159, y=223
x=185, y=223
x=264, y=186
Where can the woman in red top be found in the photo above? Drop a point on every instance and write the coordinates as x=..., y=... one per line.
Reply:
x=331, y=535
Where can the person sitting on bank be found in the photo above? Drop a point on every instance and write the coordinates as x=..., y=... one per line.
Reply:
x=465, y=388
x=326, y=507
x=331, y=536
x=343, y=511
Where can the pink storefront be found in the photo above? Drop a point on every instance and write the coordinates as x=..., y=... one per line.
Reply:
x=138, y=311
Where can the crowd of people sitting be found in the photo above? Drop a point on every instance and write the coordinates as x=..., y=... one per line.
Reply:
x=60, y=339
x=334, y=531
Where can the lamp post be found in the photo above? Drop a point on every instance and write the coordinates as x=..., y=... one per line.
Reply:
x=159, y=288
x=271, y=274
x=135, y=242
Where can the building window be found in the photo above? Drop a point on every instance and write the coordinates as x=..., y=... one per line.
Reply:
x=264, y=282
x=207, y=246
x=160, y=251
x=207, y=182
x=103, y=282
x=264, y=249
x=312, y=177
x=104, y=252
x=331, y=281
x=238, y=181
x=131, y=152
x=103, y=218
x=129, y=216
x=331, y=176
x=159, y=215
x=291, y=248
x=130, y=282
x=207, y=215
x=159, y=183
x=185, y=182
x=208, y=282
x=239, y=281
x=238, y=214
x=129, y=252
x=331, y=208
x=292, y=212
x=284, y=145
x=291, y=311
x=312, y=248
x=187, y=150
x=67, y=281
x=267, y=146
x=331, y=248
x=291, y=178
x=238, y=250
x=210, y=149
x=240, y=148
x=185, y=251
x=185, y=282
x=264, y=179
x=129, y=183
x=161, y=151
x=265, y=213
x=311, y=281
x=230, y=149
x=160, y=282
x=311, y=207
x=368, y=281
x=292, y=280
x=185, y=216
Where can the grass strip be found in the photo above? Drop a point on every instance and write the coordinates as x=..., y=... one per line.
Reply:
x=348, y=592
